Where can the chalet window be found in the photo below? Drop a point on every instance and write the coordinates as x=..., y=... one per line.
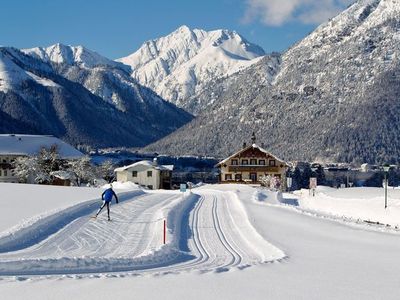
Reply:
x=261, y=162
x=134, y=173
x=228, y=176
x=0, y=173
x=234, y=162
x=149, y=173
x=253, y=162
x=245, y=162
x=238, y=177
x=5, y=172
x=150, y=186
x=272, y=163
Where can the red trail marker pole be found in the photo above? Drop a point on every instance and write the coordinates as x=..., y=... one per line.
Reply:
x=165, y=231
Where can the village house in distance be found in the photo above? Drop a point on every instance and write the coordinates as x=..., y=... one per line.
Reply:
x=146, y=173
x=250, y=164
x=13, y=146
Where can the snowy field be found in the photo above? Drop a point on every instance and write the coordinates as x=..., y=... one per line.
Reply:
x=223, y=242
x=365, y=204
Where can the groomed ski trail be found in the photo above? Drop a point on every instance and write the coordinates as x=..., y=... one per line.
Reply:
x=222, y=236
x=207, y=231
x=87, y=245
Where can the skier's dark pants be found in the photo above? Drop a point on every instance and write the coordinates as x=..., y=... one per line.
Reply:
x=101, y=207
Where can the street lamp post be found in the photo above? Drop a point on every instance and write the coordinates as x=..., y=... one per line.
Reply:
x=386, y=169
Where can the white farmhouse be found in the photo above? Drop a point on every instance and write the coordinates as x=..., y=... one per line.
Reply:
x=146, y=173
x=17, y=145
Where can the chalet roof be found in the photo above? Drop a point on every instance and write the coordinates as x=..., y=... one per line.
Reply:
x=147, y=165
x=23, y=144
x=254, y=146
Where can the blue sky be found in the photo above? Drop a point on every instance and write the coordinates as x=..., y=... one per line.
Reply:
x=117, y=28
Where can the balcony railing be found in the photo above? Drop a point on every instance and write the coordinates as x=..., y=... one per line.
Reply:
x=255, y=168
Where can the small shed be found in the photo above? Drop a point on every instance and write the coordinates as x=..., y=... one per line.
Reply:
x=63, y=178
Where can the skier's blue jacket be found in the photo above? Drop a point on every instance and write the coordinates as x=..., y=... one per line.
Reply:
x=108, y=194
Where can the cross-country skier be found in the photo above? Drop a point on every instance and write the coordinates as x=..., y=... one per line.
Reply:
x=107, y=196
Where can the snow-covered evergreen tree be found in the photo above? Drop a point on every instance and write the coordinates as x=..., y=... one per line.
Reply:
x=49, y=159
x=106, y=170
x=28, y=169
x=38, y=168
x=266, y=180
x=83, y=169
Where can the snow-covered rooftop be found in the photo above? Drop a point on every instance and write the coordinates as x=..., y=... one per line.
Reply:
x=64, y=175
x=21, y=144
x=146, y=163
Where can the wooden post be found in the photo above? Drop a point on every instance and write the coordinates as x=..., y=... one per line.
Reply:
x=165, y=231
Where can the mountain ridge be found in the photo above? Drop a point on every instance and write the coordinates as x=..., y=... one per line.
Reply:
x=82, y=104
x=179, y=65
x=323, y=102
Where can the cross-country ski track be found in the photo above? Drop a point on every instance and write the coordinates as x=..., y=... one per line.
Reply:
x=207, y=231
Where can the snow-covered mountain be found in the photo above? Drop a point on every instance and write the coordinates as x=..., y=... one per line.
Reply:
x=72, y=56
x=100, y=75
x=335, y=96
x=13, y=74
x=80, y=96
x=179, y=65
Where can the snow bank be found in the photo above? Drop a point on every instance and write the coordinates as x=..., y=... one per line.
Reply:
x=267, y=251
x=365, y=204
x=122, y=186
x=178, y=222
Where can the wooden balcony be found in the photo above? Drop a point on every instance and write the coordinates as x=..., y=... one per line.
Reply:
x=253, y=168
